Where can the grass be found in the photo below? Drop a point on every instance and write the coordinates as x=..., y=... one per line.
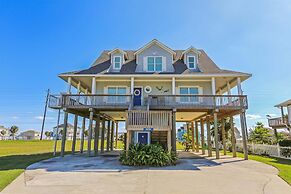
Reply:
x=283, y=165
x=15, y=156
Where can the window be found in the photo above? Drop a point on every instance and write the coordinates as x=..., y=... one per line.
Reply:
x=154, y=63
x=191, y=62
x=116, y=91
x=117, y=62
x=189, y=91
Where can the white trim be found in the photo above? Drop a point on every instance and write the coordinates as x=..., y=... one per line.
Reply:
x=191, y=48
x=195, y=62
x=149, y=136
x=200, y=92
x=117, y=49
x=154, y=56
x=154, y=41
x=119, y=62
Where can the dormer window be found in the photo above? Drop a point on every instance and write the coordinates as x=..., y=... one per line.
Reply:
x=154, y=63
x=191, y=62
x=117, y=62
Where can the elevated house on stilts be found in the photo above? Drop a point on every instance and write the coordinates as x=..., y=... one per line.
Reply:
x=151, y=89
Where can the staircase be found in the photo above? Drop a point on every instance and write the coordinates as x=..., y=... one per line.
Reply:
x=159, y=137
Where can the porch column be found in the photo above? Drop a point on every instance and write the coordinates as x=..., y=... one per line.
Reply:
x=82, y=135
x=112, y=136
x=57, y=132
x=66, y=115
x=173, y=85
x=75, y=133
x=93, y=89
x=209, y=144
x=197, y=136
x=188, y=131
x=116, y=134
x=90, y=130
x=128, y=139
x=169, y=141
x=131, y=85
x=108, y=136
x=193, y=136
x=213, y=87
x=216, y=135
x=96, y=135
x=173, y=132
x=233, y=140
x=223, y=135
x=243, y=121
x=202, y=137
x=102, y=135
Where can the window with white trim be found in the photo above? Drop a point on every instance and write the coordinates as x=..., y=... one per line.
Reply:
x=189, y=91
x=117, y=62
x=191, y=62
x=154, y=63
x=116, y=90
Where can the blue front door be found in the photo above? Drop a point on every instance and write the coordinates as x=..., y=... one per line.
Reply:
x=137, y=93
x=142, y=138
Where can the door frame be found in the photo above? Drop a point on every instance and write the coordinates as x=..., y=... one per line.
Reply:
x=141, y=101
x=149, y=136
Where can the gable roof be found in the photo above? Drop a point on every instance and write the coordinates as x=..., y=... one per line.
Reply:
x=191, y=48
x=155, y=42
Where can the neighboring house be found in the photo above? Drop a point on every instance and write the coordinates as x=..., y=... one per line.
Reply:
x=180, y=133
x=283, y=122
x=70, y=131
x=29, y=135
x=151, y=89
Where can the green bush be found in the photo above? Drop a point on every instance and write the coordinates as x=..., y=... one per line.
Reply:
x=147, y=155
x=285, y=143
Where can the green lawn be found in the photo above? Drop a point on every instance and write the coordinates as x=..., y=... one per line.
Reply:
x=283, y=165
x=15, y=156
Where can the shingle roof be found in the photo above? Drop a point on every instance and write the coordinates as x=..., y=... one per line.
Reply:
x=103, y=63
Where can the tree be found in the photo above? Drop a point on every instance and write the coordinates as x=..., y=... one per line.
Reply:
x=86, y=133
x=260, y=134
x=48, y=134
x=13, y=130
x=3, y=133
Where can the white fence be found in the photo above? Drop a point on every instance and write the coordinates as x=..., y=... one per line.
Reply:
x=266, y=150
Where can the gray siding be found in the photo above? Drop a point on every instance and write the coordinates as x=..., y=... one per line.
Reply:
x=196, y=57
x=112, y=57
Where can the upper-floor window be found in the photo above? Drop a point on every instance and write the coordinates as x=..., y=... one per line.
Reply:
x=154, y=63
x=191, y=62
x=117, y=62
x=191, y=91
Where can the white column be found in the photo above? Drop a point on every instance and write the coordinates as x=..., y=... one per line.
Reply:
x=239, y=90
x=93, y=90
x=213, y=86
x=69, y=85
x=131, y=85
x=173, y=85
x=228, y=89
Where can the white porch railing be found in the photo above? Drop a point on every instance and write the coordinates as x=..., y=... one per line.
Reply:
x=140, y=119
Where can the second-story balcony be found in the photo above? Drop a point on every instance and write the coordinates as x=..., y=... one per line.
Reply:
x=278, y=122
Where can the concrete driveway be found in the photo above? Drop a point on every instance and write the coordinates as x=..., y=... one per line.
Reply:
x=104, y=174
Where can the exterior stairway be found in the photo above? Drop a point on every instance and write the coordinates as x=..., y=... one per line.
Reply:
x=159, y=137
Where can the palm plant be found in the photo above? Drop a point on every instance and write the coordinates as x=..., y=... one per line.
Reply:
x=13, y=130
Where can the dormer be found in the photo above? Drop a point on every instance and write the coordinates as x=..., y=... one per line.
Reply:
x=191, y=58
x=154, y=57
x=117, y=58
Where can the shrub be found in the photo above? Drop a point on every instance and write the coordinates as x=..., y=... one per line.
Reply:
x=286, y=152
x=285, y=143
x=147, y=155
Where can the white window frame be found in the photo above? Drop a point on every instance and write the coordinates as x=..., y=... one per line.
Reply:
x=147, y=59
x=200, y=92
x=149, y=136
x=188, y=62
x=115, y=101
x=114, y=67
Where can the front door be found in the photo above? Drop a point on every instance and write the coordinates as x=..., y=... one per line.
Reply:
x=137, y=93
x=142, y=138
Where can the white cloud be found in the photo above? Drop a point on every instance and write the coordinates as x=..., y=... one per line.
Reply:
x=41, y=118
x=253, y=116
x=15, y=117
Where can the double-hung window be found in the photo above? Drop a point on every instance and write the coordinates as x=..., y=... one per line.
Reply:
x=154, y=63
x=117, y=62
x=189, y=91
x=191, y=62
x=116, y=90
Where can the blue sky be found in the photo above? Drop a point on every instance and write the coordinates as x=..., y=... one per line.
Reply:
x=40, y=39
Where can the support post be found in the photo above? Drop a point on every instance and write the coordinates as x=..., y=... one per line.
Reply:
x=233, y=140
x=96, y=135
x=202, y=137
x=209, y=144
x=223, y=135
x=112, y=136
x=75, y=134
x=131, y=85
x=244, y=136
x=173, y=132
x=128, y=139
x=90, y=131
x=108, y=136
x=116, y=134
x=64, y=134
x=83, y=135
x=216, y=135
x=102, y=135
x=173, y=85
x=188, y=131
x=197, y=136
x=193, y=136
x=57, y=132
x=169, y=141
